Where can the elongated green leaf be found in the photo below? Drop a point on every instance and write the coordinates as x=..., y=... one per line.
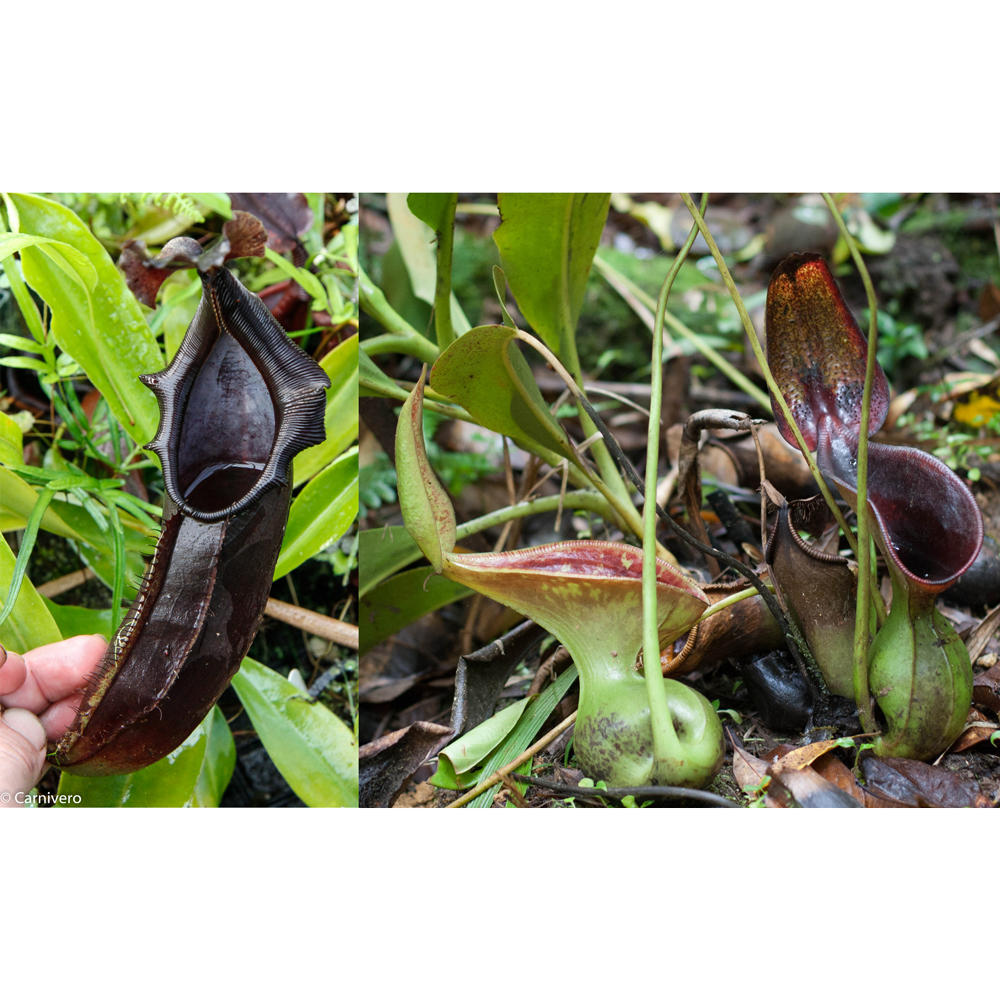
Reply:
x=103, y=329
x=30, y=623
x=381, y=552
x=416, y=243
x=314, y=751
x=524, y=733
x=487, y=374
x=306, y=279
x=401, y=599
x=73, y=620
x=321, y=513
x=457, y=760
x=547, y=242
x=195, y=774
x=341, y=420
x=17, y=577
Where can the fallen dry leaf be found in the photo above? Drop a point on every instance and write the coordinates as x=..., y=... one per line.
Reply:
x=386, y=763
x=814, y=792
x=915, y=783
x=986, y=688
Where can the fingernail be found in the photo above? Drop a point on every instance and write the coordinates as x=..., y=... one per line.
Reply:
x=24, y=722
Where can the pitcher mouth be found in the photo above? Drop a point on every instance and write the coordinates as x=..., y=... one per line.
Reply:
x=237, y=402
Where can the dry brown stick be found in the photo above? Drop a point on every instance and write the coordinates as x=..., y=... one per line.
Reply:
x=342, y=633
x=59, y=586
x=557, y=659
x=497, y=776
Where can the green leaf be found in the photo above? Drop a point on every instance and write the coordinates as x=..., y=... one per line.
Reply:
x=381, y=552
x=341, y=420
x=374, y=382
x=459, y=758
x=103, y=329
x=33, y=364
x=321, y=513
x=524, y=733
x=314, y=751
x=486, y=373
x=73, y=620
x=547, y=243
x=431, y=209
x=416, y=242
x=67, y=258
x=30, y=624
x=195, y=774
x=215, y=202
x=305, y=278
x=402, y=599
x=427, y=510
x=11, y=441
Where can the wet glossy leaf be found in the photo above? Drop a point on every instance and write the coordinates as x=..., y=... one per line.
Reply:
x=547, y=243
x=341, y=419
x=402, y=599
x=314, y=751
x=321, y=513
x=103, y=329
x=195, y=774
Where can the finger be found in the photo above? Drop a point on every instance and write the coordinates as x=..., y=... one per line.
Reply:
x=56, y=671
x=12, y=671
x=59, y=717
x=22, y=754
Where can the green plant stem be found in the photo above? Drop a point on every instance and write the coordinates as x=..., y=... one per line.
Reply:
x=401, y=343
x=621, y=284
x=574, y=500
x=740, y=595
x=775, y=391
x=442, y=287
x=862, y=694
x=446, y=410
x=666, y=745
x=402, y=337
x=605, y=464
x=627, y=514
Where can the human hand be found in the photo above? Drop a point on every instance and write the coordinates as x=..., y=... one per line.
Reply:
x=39, y=696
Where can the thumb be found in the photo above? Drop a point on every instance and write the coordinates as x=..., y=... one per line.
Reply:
x=22, y=755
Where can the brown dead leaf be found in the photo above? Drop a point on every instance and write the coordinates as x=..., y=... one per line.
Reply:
x=915, y=783
x=834, y=770
x=801, y=757
x=386, y=763
x=977, y=729
x=814, y=792
x=750, y=772
x=986, y=688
